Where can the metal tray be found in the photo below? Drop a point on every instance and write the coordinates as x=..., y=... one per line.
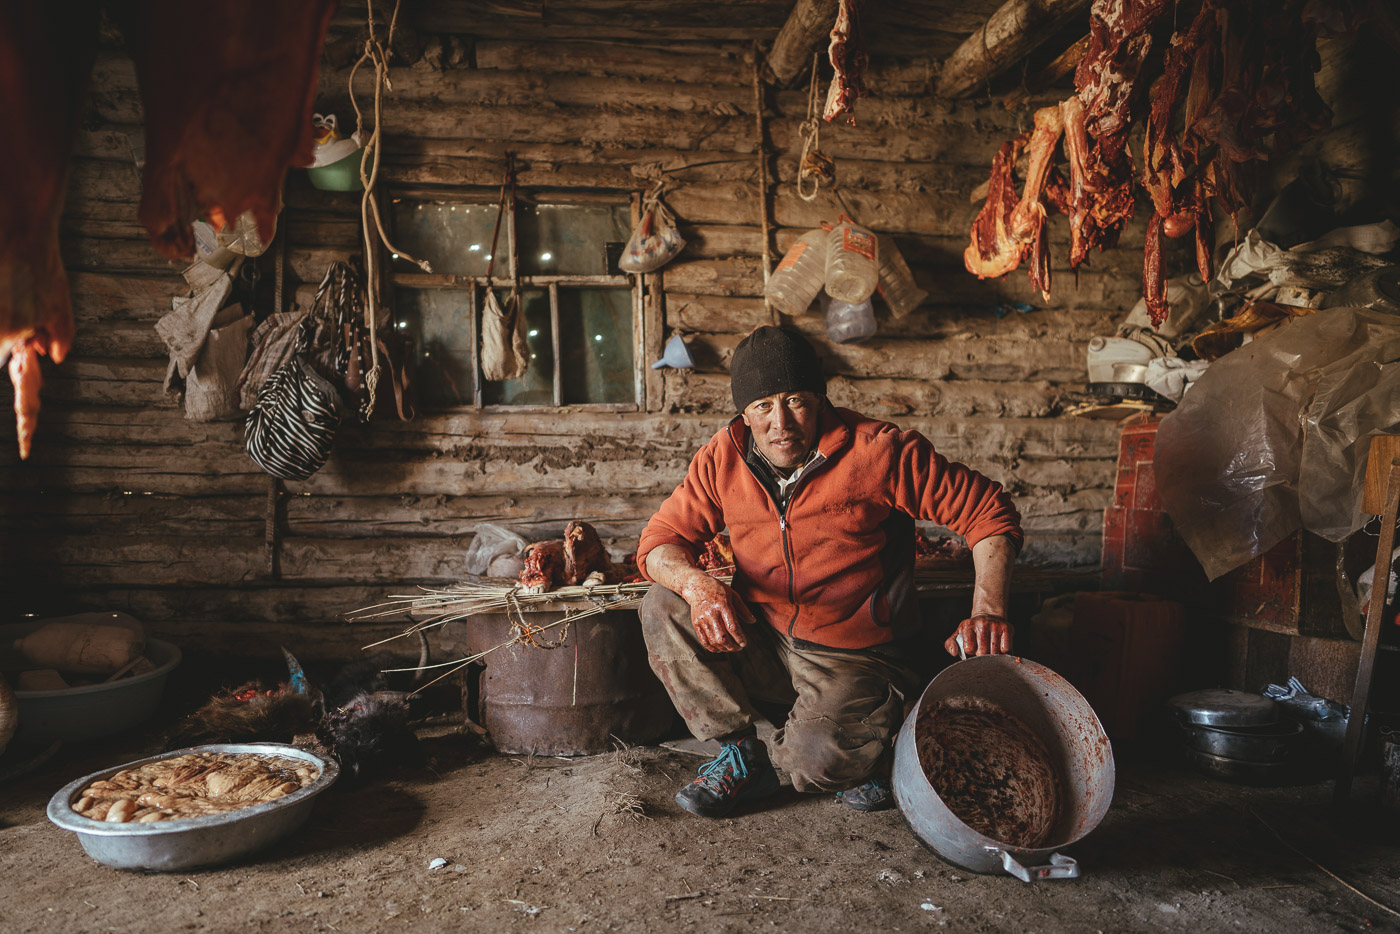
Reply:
x=170, y=846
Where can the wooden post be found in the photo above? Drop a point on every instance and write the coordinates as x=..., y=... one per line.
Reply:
x=272, y=534
x=761, y=147
x=1009, y=35
x=809, y=22
x=1361, y=695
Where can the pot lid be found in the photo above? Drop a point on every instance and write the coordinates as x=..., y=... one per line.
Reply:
x=1223, y=707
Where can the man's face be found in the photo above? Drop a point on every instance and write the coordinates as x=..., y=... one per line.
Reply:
x=785, y=426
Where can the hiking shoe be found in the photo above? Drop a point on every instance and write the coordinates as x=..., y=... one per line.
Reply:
x=740, y=773
x=874, y=795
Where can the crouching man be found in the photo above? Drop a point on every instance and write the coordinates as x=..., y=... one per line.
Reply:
x=820, y=504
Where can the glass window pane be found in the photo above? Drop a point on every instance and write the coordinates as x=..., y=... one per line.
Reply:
x=439, y=323
x=569, y=239
x=595, y=344
x=536, y=387
x=454, y=238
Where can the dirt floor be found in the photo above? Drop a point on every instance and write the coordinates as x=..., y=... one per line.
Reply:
x=597, y=843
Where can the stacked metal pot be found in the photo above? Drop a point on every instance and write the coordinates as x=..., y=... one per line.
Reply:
x=1240, y=737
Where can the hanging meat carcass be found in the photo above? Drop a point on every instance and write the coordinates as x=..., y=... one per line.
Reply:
x=227, y=90
x=1027, y=222
x=227, y=93
x=848, y=63
x=46, y=51
x=993, y=251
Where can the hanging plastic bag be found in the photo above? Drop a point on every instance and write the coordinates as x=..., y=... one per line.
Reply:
x=846, y=322
x=504, y=352
x=655, y=241
x=1276, y=439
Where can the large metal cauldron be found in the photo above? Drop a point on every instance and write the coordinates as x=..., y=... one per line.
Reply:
x=574, y=700
x=1053, y=711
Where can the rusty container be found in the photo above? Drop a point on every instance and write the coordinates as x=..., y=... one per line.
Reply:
x=572, y=700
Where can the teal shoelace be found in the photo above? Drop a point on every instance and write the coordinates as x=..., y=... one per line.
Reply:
x=725, y=773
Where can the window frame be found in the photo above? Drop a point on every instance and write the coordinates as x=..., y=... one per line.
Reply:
x=646, y=318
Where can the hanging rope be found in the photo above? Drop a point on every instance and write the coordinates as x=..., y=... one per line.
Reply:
x=375, y=54
x=814, y=165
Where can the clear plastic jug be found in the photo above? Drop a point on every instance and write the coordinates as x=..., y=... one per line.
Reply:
x=897, y=286
x=795, y=283
x=847, y=323
x=851, y=269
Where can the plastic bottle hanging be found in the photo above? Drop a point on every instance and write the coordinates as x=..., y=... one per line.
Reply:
x=795, y=283
x=852, y=272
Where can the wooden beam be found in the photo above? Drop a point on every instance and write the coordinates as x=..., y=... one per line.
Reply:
x=809, y=22
x=1063, y=65
x=1009, y=35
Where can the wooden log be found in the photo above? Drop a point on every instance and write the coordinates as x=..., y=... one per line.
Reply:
x=1009, y=34
x=534, y=517
x=1059, y=68
x=729, y=315
x=887, y=398
x=806, y=27
x=653, y=21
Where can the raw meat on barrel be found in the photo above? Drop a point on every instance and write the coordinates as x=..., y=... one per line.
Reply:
x=584, y=554
x=544, y=566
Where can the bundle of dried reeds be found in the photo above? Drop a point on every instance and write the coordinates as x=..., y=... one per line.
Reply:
x=469, y=598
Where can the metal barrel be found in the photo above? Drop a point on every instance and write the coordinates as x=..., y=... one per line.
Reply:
x=573, y=700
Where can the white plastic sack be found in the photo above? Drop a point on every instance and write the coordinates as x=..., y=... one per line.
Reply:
x=1172, y=376
x=1274, y=437
x=654, y=242
x=490, y=542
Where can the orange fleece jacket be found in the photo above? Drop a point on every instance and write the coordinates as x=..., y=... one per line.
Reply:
x=815, y=572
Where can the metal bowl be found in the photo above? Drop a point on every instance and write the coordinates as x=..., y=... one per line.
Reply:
x=1276, y=743
x=1243, y=772
x=94, y=710
x=175, y=845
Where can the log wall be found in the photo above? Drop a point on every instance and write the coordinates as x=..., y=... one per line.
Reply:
x=126, y=505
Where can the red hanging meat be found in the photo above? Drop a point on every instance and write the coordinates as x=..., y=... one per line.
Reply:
x=46, y=52
x=848, y=62
x=1027, y=222
x=228, y=90
x=994, y=251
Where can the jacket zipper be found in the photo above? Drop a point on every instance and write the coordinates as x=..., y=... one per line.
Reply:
x=783, y=524
x=787, y=543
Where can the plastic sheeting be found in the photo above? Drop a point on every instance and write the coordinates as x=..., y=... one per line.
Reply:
x=1274, y=437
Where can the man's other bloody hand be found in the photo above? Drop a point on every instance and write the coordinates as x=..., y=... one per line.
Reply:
x=981, y=635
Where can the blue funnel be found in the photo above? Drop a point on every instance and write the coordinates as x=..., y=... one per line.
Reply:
x=676, y=355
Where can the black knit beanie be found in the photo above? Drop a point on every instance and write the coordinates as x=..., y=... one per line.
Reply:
x=772, y=360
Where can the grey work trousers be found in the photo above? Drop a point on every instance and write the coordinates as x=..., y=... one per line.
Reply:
x=846, y=705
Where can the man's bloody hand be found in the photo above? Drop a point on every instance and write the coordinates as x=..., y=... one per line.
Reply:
x=981, y=635
x=718, y=615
